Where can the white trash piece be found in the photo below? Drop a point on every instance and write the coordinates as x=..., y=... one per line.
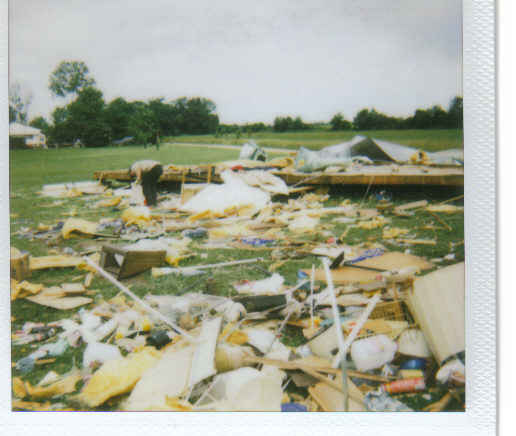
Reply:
x=412, y=343
x=373, y=352
x=99, y=352
x=270, y=285
x=446, y=371
x=247, y=389
x=106, y=329
x=303, y=224
x=136, y=197
x=233, y=193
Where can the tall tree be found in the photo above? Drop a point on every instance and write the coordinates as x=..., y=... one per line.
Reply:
x=142, y=124
x=118, y=115
x=19, y=102
x=86, y=117
x=455, y=113
x=70, y=77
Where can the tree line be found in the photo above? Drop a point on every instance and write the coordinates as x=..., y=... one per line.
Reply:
x=366, y=119
x=432, y=118
x=92, y=121
x=89, y=118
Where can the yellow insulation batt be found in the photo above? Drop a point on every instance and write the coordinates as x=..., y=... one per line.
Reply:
x=117, y=377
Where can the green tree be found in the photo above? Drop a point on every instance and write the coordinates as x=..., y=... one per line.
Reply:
x=199, y=116
x=363, y=120
x=86, y=118
x=41, y=124
x=338, y=122
x=70, y=77
x=19, y=102
x=455, y=113
x=117, y=115
x=142, y=124
x=61, y=131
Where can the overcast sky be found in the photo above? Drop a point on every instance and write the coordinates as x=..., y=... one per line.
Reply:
x=254, y=59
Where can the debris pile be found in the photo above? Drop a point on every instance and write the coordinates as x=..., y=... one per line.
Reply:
x=325, y=304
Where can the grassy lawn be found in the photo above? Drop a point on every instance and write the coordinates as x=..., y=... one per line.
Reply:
x=429, y=140
x=30, y=169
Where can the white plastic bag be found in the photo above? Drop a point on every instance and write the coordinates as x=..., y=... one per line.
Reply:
x=373, y=352
x=247, y=389
x=233, y=193
x=99, y=352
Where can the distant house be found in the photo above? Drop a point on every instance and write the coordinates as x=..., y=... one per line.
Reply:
x=26, y=136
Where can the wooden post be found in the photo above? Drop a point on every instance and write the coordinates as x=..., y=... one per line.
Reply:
x=183, y=178
x=209, y=174
x=20, y=267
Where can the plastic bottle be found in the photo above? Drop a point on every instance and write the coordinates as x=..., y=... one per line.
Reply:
x=405, y=385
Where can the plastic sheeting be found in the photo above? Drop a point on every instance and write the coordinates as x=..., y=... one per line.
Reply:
x=366, y=150
x=233, y=193
x=252, y=151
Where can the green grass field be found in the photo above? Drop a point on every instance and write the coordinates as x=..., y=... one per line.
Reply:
x=31, y=169
x=429, y=140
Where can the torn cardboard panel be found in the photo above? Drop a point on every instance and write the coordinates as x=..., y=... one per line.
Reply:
x=437, y=303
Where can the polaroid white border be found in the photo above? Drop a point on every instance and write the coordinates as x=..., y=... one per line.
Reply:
x=480, y=415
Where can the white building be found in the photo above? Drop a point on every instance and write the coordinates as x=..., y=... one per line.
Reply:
x=33, y=137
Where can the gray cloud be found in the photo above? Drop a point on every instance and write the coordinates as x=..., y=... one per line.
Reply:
x=256, y=60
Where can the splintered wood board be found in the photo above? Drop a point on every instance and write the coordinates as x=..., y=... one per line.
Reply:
x=374, y=175
x=331, y=400
x=59, y=261
x=65, y=303
x=389, y=261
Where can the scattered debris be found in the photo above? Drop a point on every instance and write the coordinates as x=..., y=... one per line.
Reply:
x=337, y=313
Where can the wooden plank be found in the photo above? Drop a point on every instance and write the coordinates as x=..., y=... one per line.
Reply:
x=433, y=176
x=65, y=303
x=331, y=400
x=59, y=261
x=412, y=205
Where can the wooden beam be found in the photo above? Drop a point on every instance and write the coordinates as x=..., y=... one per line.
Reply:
x=450, y=177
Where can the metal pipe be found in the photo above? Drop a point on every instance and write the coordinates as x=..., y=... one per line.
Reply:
x=148, y=308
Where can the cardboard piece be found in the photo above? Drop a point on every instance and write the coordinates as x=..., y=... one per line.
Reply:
x=132, y=261
x=437, y=302
x=169, y=377
x=203, y=364
x=389, y=261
